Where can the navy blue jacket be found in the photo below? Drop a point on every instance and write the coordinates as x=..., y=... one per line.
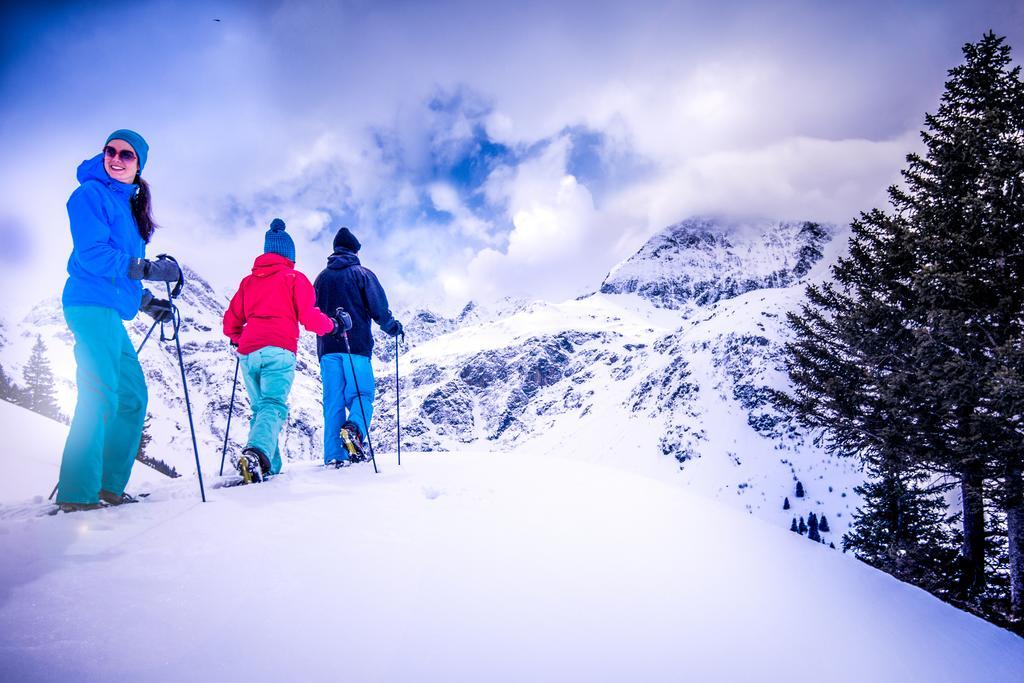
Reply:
x=347, y=284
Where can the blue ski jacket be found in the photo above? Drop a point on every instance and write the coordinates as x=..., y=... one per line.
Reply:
x=105, y=240
x=347, y=284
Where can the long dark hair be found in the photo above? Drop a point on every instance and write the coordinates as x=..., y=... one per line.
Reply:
x=142, y=210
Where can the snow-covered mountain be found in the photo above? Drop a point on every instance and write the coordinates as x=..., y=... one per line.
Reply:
x=703, y=260
x=665, y=370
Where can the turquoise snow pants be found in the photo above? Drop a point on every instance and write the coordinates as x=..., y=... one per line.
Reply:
x=342, y=402
x=268, y=375
x=111, y=408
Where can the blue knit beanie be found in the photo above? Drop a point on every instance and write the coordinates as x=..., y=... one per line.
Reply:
x=137, y=142
x=277, y=241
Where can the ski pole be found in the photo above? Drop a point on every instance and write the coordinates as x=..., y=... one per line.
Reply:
x=231, y=408
x=398, y=405
x=359, y=397
x=146, y=338
x=184, y=383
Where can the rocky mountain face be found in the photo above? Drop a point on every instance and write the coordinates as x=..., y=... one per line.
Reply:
x=700, y=261
x=666, y=369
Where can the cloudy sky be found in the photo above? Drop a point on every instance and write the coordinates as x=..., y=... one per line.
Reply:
x=477, y=149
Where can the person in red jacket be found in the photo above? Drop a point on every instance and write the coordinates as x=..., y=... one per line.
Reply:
x=263, y=322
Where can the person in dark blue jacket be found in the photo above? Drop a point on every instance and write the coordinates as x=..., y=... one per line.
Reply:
x=111, y=223
x=348, y=382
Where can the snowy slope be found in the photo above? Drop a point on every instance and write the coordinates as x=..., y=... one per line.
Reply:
x=461, y=567
x=30, y=457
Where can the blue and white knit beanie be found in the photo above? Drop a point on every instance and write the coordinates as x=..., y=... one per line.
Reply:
x=277, y=241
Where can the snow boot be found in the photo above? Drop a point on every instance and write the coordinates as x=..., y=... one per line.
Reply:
x=250, y=465
x=77, y=507
x=111, y=498
x=352, y=439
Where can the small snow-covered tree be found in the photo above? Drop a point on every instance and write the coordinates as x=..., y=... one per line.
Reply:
x=812, y=527
x=802, y=527
x=823, y=525
x=785, y=503
x=799, y=489
x=39, y=390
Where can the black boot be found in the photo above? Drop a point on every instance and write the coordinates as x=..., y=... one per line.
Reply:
x=78, y=507
x=263, y=460
x=352, y=440
x=111, y=498
x=248, y=466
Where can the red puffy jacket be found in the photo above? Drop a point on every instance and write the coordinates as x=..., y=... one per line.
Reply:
x=269, y=305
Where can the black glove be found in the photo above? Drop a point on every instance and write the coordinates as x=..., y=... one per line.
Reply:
x=393, y=328
x=342, y=321
x=234, y=344
x=157, y=309
x=161, y=270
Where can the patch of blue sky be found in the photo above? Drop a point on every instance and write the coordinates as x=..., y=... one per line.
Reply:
x=599, y=166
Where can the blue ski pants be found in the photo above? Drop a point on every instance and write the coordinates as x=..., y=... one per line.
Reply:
x=268, y=374
x=341, y=400
x=111, y=408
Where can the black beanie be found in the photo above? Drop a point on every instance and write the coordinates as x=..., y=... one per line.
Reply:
x=346, y=240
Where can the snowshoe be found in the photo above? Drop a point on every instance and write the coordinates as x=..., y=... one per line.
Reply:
x=76, y=507
x=249, y=466
x=111, y=498
x=352, y=439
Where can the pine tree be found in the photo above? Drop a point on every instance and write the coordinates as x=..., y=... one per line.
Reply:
x=911, y=358
x=901, y=528
x=785, y=503
x=965, y=197
x=8, y=391
x=799, y=490
x=803, y=527
x=144, y=440
x=812, y=527
x=39, y=388
x=793, y=527
x=823, y=525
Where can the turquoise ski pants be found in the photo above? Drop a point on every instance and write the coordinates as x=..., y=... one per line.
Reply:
x=268, y=375
x=111, y=408
x=341, y=400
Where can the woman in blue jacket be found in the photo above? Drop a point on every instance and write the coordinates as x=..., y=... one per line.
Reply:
x=111, y=223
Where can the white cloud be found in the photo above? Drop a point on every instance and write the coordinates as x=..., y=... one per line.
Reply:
x=792, y=109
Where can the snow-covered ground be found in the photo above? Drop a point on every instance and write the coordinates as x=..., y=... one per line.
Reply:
x=470, y=566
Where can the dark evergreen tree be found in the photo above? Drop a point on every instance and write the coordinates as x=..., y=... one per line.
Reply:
x=803, y=527
x=793, y=527
x=799, y=490
x=911, y=359
x=823, y=525
x=144, y=439
x=812, y=527
x=785, y=503
x=39, y=392
x=8, y=390
x=902, y=529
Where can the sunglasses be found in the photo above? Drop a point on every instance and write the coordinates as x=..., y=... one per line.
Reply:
x=126, y=155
